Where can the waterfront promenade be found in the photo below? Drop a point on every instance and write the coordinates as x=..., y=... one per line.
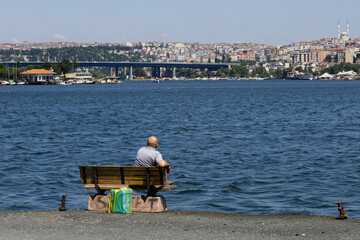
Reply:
x=82, y=224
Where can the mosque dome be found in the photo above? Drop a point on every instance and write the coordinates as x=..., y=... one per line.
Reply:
x=345, y=36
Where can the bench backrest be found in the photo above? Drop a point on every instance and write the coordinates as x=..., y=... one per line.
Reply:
x=123, y=175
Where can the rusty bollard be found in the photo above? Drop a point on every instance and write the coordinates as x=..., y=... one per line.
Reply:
x=342, y=215
x=63, y=208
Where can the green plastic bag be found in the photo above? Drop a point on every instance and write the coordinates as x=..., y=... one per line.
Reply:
x=120, y=200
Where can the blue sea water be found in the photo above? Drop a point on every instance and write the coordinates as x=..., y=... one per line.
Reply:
x=256, y=147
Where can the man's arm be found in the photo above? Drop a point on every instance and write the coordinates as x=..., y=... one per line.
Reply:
x=166, y=165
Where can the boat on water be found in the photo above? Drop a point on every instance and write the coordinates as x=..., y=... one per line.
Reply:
x=65, y=83
x=293, y=76
x=8, y=82
x=4, y=83
x=303, y=77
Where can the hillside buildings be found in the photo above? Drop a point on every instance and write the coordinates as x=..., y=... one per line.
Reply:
x=313, y=55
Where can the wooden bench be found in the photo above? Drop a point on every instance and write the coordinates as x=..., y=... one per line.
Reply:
x=102, y=178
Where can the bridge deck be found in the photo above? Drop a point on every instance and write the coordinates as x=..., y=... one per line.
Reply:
x=135, y=64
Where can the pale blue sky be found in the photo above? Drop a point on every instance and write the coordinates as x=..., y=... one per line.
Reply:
x=262, y=21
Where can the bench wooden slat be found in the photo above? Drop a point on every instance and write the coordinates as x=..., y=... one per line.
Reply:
x=117, y=168
x=130, y=178
x=104, y=178
x=140, y=182
x=134, y=187
x=126, y=173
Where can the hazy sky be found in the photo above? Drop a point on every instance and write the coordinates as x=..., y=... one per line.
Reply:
x=272, y=22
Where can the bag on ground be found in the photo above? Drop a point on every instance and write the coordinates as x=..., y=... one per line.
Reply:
x=120, y=200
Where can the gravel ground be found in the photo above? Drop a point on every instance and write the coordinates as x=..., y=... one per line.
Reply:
x=82, y=224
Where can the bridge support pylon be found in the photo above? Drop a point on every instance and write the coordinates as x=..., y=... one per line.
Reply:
x=174, y=73
x=116, y=72
x=124, y=73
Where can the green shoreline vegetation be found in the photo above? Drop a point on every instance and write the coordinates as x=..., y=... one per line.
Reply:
x=237, y=71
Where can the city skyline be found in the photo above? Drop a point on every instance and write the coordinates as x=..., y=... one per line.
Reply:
x=272, y=23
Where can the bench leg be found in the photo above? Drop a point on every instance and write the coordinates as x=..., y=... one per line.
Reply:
x=152, y=191
x=99, y=191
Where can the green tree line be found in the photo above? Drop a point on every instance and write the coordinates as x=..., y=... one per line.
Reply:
x=10, y=72
x=62, y=67
x=91, y=53
x=341, y=67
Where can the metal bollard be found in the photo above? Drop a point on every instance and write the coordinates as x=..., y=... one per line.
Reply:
x=342, y=215
x=63, y=208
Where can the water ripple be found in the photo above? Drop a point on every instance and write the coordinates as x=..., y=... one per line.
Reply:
x=269, y=147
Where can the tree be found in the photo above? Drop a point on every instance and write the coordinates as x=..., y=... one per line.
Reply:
x=167, y=73
x=328, y=59
x=183, y=72
x=17, y=64
x=239, y=71
x=260, y=72
x=34, y=67
x=223, y=72
x=139, y=72
x=299, y=69
x=331, y=58
x=277, y=73
x=247, y=62
x=3, y=73
x=98, y=75
x=47, y=65
x=56, y=68
x=75, y=65
x=342, y=67
x=66, y=66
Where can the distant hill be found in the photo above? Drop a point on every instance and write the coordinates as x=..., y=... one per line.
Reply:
x=91, y=53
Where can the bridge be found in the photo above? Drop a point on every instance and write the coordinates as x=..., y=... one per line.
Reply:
x=156, y=67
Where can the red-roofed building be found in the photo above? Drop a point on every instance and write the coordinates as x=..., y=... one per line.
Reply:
x=208, y=59
x=189, y=60
x=38, y=76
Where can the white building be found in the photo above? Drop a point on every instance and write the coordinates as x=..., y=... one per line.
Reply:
x=39, y=76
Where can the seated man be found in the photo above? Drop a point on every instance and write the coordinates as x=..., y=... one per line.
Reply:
x=149, y=156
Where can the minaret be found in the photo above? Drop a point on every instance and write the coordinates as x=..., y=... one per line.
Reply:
x=347, y=24
x=338, y=29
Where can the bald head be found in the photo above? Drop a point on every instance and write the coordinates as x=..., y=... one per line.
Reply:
x=152, y=142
